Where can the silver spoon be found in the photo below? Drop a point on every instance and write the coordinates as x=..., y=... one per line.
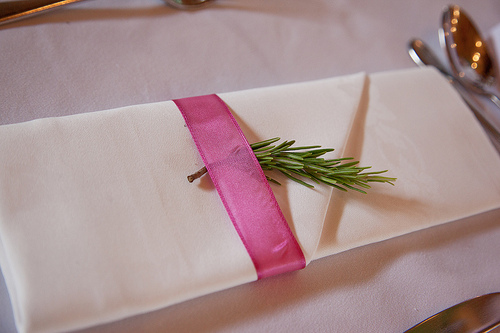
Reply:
x=423, y=56
x=16, y=10
x=468, y=52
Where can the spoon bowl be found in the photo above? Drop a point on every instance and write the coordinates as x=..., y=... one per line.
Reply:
x=423, y=56
x=468, y=52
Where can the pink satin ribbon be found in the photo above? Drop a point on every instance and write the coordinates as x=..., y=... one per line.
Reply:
x=242, y=186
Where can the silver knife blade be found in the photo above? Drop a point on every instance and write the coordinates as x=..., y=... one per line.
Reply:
x=478, y=314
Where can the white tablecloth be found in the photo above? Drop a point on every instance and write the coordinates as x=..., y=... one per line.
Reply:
x=105, y=54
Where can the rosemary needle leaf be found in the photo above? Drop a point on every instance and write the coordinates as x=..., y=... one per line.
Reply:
x=303, y=148
x=292, y=156
x=327, y=180
x=261, y=149
x=283, y=146
x=354, y=188
x=362, y=184
x=339, y=187
x=374, y=172
x=296, y=179
x=289, y=161
x=263, y=154
x=350, y=164
x=264, y=143
x=317, y=168
x=302, y=173
x=269, y=179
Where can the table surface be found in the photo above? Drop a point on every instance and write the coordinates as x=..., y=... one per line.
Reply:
x=99, y=55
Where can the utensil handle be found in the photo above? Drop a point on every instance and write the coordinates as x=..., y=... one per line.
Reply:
x=494, y=98
x=16, y=10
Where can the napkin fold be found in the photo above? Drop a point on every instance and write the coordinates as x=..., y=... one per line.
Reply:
x=98, y=221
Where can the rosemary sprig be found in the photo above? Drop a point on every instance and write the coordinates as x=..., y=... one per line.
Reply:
x=302, y=164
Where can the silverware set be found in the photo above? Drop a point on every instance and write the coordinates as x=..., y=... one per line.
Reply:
x=473, y=71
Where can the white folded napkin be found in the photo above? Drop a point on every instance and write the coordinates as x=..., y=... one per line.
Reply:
x=98, y=221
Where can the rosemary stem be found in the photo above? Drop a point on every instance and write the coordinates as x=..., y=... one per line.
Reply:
x=197, y=174
x=305, y=162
